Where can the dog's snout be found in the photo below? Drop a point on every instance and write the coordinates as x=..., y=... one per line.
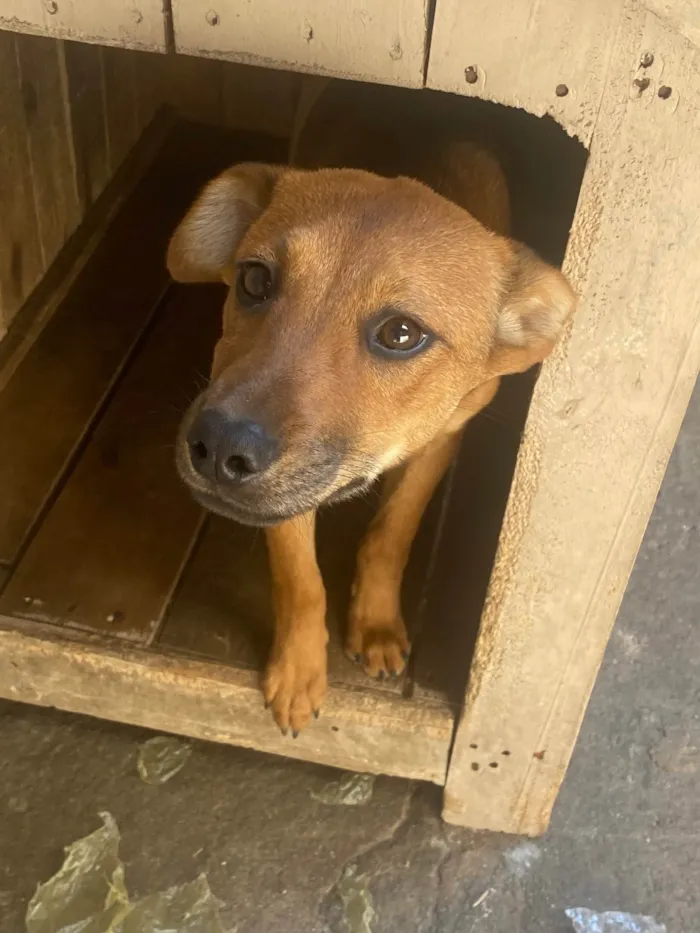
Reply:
x=227, y=449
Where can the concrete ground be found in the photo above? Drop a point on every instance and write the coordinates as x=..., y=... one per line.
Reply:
x=625, y=835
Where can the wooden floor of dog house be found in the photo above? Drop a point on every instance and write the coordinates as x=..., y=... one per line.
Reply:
x=121, y=598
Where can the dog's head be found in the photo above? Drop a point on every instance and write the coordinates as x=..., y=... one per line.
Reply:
x=361, y=312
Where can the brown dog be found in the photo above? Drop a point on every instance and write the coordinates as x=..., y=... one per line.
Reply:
x=369, y=317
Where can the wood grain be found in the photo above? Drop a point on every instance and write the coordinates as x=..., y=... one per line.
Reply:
x=121, y=108
x=86, y=101
x=605, y=414
x=522, y=50
x=259, y=99
x=193, y=86
x=50, y=145
x=357, y=731
x=109, y=552
x=383, y=40
x=21, y=262
x=138, y=25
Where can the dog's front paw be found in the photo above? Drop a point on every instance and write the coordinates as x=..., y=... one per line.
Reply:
x=295, y=682
x=381, y=646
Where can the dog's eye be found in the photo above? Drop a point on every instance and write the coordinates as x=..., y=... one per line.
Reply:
x=255, y=283
x=398, y=335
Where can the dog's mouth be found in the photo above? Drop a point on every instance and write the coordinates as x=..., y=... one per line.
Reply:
x=221, y=505
x=218, y=502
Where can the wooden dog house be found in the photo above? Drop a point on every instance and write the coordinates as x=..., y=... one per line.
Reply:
x=118, y=599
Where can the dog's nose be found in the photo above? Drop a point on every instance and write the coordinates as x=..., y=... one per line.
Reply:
x=226, y=449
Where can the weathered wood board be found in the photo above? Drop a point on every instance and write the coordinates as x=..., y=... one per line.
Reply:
x=605, y=414
x=546, y=56
x=41, y=66
x=379, y=40
x=21, y=263
x=137, y=24
x=357, y=731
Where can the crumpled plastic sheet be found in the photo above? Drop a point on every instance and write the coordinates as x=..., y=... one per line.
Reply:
x=161, y=758
x=612, y=921
x=88, y=895
x=350, y=790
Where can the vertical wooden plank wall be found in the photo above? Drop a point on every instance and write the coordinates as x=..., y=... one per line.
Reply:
x=71, y=112
x=69, y=117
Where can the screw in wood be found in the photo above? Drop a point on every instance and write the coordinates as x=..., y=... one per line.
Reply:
x=665, y=92
x=561, y=90
x=51, y=6
x=213, y=18
x=647, y=60
x=471, y=75
x=641, y=84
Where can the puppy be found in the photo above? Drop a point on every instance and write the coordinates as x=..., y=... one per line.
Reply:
x=375, y=301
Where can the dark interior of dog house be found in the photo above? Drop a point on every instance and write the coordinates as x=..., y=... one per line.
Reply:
x=98, y=535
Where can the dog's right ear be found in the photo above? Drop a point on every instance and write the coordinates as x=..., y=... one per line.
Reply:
x=203, y=245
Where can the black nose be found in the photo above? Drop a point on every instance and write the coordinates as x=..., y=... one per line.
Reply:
x=225, y=449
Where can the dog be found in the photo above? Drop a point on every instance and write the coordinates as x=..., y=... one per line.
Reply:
x=375, y=301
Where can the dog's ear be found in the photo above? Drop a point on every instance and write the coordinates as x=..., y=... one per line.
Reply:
x=537, y=304
x=203, y=245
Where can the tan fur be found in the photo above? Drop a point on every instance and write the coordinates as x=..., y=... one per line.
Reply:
x=349, y=243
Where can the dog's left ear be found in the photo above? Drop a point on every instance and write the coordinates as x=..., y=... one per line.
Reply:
x=203, y=246
x=537, y=304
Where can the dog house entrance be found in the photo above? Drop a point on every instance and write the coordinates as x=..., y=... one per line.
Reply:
x=100, y=543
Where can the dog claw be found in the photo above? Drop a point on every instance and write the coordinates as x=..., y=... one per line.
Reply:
x=267, y=704
x=405, y=655
x=295, y=734
x=317, y=713
x=358, y=659
x=284, y=731
x=381, y=675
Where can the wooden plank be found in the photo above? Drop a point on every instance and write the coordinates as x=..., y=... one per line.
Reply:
x=85, y=83
x=223, y=609
x=193, y=87
x=357, y=731
x=108, y=554
x=605, y=414
x=378, y=40
x=54, y=392
x=150, y=69
x=120, y=90
x=521, y=51
x=50, y=147
x=139, y=24
x=258, y=99
x=21, y=263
